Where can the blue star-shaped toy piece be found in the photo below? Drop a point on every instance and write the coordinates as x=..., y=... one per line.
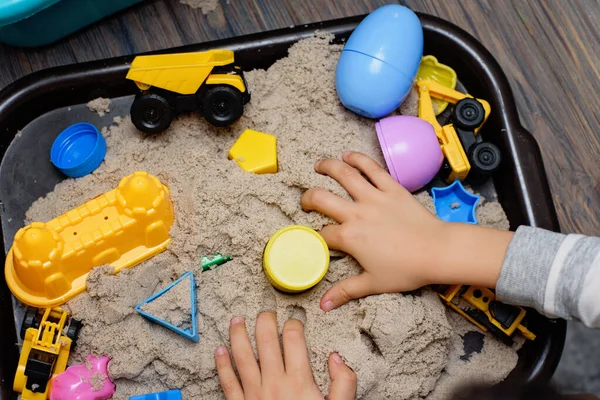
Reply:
x=454, y=204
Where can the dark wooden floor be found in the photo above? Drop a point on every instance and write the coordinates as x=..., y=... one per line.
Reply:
x=550, y=50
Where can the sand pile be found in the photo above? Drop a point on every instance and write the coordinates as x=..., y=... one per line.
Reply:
x=100, y=106
x=401, y=345
x=205, y=6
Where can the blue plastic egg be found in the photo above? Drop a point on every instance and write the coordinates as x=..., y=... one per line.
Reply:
x=379, y=63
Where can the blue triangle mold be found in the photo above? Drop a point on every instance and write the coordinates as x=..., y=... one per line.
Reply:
x=189, y=333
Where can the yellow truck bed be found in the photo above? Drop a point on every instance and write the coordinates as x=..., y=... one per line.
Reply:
x=181, y=73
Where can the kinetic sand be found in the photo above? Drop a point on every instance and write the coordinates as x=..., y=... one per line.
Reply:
x=402, y=346
x=100, y=106
x=205, y=6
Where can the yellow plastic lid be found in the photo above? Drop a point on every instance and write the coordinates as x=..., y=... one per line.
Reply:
x=296, y=258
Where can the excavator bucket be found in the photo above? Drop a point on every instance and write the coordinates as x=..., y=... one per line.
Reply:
x=431, y=69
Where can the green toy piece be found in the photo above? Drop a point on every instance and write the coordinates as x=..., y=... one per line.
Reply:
x=213, y=262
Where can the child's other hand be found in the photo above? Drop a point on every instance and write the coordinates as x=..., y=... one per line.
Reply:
x=286, y=376
x=398, y=242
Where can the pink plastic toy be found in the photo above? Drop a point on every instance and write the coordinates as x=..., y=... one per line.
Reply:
x=87, y=381
x=411, y=150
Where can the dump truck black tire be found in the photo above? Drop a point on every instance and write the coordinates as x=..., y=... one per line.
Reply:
x=468, y=114
x=151, y=113
x=29, y=321
x=222, y=105
x=485, y=158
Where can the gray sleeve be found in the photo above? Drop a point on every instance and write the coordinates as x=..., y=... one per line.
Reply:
x=557, y=274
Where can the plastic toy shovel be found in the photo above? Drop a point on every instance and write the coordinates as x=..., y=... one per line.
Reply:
x=189, y=333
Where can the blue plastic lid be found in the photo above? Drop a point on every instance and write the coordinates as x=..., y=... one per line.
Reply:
x=392, y=34
x=12, y=11
x=78, y=150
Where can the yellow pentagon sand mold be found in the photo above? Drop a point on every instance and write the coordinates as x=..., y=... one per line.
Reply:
x=49, y=262
x=255, y=152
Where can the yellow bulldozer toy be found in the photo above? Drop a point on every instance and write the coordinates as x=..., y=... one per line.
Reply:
x=172, y=84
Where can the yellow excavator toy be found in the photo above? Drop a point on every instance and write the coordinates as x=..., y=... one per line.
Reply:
x=480, y=306
x=48, y=337
x=171, y=84
x=465, y=153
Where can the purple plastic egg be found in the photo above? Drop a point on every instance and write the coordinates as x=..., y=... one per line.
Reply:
x=411, y=150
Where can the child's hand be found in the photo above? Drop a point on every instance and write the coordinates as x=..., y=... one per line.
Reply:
x=398, y=242
x=278, y=377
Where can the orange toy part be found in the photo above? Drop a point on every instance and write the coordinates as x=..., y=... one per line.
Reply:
x=49, y=262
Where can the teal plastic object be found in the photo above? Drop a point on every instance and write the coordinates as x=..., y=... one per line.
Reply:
x=454, y=204
x=189, y=333
x=169, y=395
x=33, y=23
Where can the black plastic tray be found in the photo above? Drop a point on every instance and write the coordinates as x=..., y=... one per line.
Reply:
x=41, y=101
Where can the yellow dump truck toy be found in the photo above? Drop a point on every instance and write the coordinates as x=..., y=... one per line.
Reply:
x=47, y=342
x=464, y=151
x=176, y=83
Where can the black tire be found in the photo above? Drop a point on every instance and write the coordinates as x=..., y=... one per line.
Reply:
x=29, y=321
x=485, y=158
x=222, y=105
x=151, y=113
x=445, y=170
x=468, y=114
x=73, y=330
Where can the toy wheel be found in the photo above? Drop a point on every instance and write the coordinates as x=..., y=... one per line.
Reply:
x=151, y=113
x=485, y=158
x=29, y=321
x=73, y=331
x=468, y=114
x=222, y=105
x=445, y=170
